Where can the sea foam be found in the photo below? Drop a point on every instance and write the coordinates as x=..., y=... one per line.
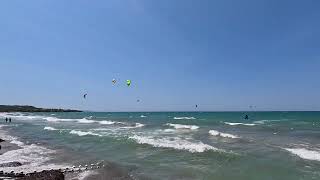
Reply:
x=86, y=121
x=225, y=135
x=83, y=133
x=54, y=119
x=179, y=118
x=181, y=126
x=174, y=143
x=50, y=128
x=305, y=153
x=33, y=157
x=235, y=124
x=137, y=125
x=105, y=122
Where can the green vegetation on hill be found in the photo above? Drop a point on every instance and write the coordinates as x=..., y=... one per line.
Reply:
x=18, y=108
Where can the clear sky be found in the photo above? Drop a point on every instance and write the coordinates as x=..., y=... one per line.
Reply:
x=219, y=54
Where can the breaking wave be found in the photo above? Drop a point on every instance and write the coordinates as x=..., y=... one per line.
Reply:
x=86, y=121
x=181, y=126
x=32, y=157
x=137, y=125
x=174, y=143
x=82, y=133
x=50, y=128
x=305, y=153
x=106, y=122
x=183, y=118
x=225, y=135
x=235, y=124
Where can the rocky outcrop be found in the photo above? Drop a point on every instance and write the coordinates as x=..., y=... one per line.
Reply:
x=1, y=140
x=44, y=175
x=10, y=164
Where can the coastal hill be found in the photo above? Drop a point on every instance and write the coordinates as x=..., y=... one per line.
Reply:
x=19, y=108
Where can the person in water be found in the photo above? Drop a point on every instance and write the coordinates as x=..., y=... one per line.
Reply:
x=9, y=120
x=6, y=119
x=246, y=117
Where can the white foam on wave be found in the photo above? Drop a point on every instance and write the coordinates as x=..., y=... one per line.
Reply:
x=260, y=121
x=83, y=133
x=263, y=121
x=50, y=128
x=181, y=126
x=19, y=143
x=305, y=153
x=235, y=124
x=169, y=130
x=179, y=118
x=85, y=174
x=33, y=157
x=86, y=121
x=54, y=119
x=137, y=125
x=20, y=116
x=143, y=116
x=174, y=143
x=225, y=135
x=105, y=122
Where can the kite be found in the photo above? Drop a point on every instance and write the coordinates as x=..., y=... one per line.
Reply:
x=128, y=82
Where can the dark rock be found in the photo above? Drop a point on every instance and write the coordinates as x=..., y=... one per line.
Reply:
x=44, y=175
x=1, y=140
x=10, y=164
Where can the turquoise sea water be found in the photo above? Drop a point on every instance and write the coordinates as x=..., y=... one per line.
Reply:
x=175, y=145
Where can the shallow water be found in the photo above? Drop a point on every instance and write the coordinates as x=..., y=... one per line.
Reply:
x=175, y=145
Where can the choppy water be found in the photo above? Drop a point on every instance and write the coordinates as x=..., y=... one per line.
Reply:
x=173, y=145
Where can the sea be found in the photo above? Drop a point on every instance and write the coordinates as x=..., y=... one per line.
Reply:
x=169, y=145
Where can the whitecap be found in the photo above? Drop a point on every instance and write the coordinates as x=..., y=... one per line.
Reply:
x=50, y=128
x=174, y=143
x=86, y=121
x=181, y=126
x=33, y=157
x=106, y=122
x=54, y=119
x=143, y=116
x=85, y=174
x=179, y=118
x=226, y=135
x=305, y=153
x=137, y=125
x=19, y=143
x=169, y=130
x=269, y=120
x=235, y=124
x=82, y=133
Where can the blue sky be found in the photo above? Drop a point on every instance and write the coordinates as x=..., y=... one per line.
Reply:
x=221, y=55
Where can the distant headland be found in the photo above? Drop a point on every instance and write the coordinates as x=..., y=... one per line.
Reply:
x=25, y=108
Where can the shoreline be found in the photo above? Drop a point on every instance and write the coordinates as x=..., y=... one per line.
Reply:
x=10, y=145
